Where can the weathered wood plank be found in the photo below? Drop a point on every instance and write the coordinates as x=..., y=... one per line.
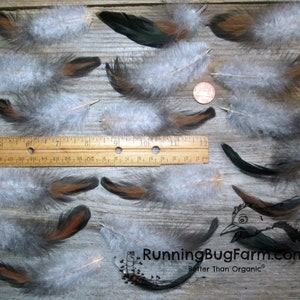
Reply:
x=277, y=279
x=13, y=4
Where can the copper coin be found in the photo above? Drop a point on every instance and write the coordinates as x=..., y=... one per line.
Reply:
x=204, y=92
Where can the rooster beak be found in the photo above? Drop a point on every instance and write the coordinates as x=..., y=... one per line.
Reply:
x=230, y=228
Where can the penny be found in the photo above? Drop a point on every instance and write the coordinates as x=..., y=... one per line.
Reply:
x=204, y=92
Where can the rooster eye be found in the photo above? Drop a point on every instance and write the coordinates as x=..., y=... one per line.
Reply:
x=243, y=219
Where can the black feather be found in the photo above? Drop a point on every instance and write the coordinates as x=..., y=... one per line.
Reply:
x=245, y=166
x=138, y=29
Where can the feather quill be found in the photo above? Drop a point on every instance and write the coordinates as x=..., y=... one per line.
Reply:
x=275, y=26
x=123, y=235
x=61, y=274
x=23, y=72
x=46, y=114
x=184, y=21
x=254, y=116
x=161, y=74
x=284, y=208
x=32, y=189
x=176, y=185
x=36, y=238
x=52, y=25
x=285, y=165
x=270, y=77
x=135, y=118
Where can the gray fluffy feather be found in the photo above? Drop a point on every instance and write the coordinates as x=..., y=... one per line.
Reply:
x=62, y=273
x=188, y=16
x=28, y=189
x=125, y=235
x=255, y=116
x=179, y=185
x=140, y=118
x=14, y=235
x=246, y=74
x=50, y=113
x=167, y=70
x=276, y=26
x=23, y=72
x=184, y=185
x=25, y=238
x=134, y=119
x=50, y=26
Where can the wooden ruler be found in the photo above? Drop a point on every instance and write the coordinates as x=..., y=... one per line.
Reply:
x=91, y=151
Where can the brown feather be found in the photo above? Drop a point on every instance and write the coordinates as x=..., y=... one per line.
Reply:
x=80, y=66
x=183, y=121
x=59, y=190
x=233, y=26
x=7, y=26
x=265, y=208
x=293, y=73
x=70, y=223
x=9, y=113
x=251, y=201
x=13, y=276
x=172, y=29
x=117, y=79
x=126, y=191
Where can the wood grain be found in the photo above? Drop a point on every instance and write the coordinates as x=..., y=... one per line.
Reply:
x=14, y=4
x=277, y=279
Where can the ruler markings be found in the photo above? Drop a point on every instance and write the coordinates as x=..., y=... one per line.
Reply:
x=102, y=151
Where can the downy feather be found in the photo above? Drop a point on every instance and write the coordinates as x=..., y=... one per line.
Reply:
x=63, y=273
x=51, y=25
x=276, y=77
x=187, y=16
x=36, y=189
x=161, y=74
x=253, y=115
x=123, y=235
x=175, y=185
x=183, y=22
x=275, y=26
x=46, y=114
x=135, y=118
x=32, y=73
x=33, y=238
